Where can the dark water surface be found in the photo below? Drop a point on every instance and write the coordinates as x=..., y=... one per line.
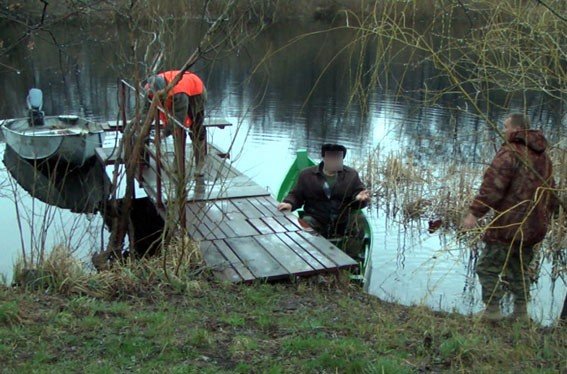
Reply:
x=300, y=98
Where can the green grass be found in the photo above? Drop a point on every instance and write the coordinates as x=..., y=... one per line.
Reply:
x=301, y=327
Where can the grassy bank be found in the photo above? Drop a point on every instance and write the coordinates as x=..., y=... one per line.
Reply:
x=323, y=325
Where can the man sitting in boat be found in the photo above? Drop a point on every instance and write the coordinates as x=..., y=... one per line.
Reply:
x=186, y=102
x=330, y=195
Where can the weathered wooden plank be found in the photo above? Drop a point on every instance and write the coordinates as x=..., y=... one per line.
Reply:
x=219, y=217
x=260, y=263
x=235, y=218
x=271, y=204
x=243, y=228
x=286, y=224
x=216, y=229
x=217, y=192
x=195, y=233
x=216, y=122
x=240, y=180
x=233, y=259
x=200, y=210
x=192, y=218
x=220, y=167
x=230, y=210
x=273, y=224
x=219, y=173
x=246, y=208
x=311, y=249
x=198, y=195
x=193, y=224
x=293, y=220
x=225, y=207
x=218, y=263
x=298, y=249
x=261, y=208
x=196, y=217
x=214, y=212
x=261, y=226
x=340, y=258
x=241, y=192
x=285, y=256
x=228, y=183
x=202, y=231
x=226, y=227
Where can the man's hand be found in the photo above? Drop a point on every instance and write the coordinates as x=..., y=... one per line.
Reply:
x=363, y=196
x=284, y=207
x=469, y=222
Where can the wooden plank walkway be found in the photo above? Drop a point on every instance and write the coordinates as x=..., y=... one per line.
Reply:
x=242, y=235
x=246, y=238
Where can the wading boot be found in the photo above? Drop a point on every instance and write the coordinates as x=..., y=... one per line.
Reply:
x=492, y=313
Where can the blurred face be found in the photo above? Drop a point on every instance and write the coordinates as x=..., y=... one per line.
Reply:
x=333, y=161
x=508, y=128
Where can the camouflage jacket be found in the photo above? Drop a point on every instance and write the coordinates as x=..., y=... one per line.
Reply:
x=518, y=196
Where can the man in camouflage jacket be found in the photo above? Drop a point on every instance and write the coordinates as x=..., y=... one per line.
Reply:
x=516, y=188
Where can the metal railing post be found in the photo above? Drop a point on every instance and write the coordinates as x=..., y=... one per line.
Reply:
x=157, y=143
x=122, y=106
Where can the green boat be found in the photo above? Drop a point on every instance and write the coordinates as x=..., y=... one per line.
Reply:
x=302, y=161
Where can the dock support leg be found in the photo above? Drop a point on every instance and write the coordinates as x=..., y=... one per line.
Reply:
x=180, y=138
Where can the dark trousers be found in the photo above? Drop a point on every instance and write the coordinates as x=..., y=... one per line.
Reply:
x=503, y=268
x=193, y=107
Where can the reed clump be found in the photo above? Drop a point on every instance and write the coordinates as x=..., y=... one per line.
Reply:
x=409, y=191
x=412, y=192
x=179, y=264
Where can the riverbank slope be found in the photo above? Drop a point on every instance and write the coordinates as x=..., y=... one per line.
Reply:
x=323, y=325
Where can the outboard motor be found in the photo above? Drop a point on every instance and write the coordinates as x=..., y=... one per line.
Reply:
x=35, y=104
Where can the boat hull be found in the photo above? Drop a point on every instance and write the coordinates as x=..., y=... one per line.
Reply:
x=74, y=144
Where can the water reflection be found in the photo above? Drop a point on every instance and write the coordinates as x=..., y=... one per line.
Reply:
x=80, y=190
x=411, y=266
x=40, y=209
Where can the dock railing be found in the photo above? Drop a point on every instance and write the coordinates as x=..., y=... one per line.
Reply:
x=155, y=154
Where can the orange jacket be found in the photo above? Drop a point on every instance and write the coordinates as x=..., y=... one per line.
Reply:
x=189, y=84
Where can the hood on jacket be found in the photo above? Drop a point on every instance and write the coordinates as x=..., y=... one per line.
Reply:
x=533, y=139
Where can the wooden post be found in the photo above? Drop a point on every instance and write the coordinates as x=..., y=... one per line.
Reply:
x=180, y=138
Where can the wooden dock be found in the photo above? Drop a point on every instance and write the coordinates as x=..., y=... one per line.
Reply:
x=242, y=235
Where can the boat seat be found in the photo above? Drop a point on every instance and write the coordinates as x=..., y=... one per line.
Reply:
x=36, y=118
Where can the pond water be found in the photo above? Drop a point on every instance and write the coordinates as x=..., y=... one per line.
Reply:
x=300, y=98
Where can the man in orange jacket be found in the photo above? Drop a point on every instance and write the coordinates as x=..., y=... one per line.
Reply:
x=186, y=102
